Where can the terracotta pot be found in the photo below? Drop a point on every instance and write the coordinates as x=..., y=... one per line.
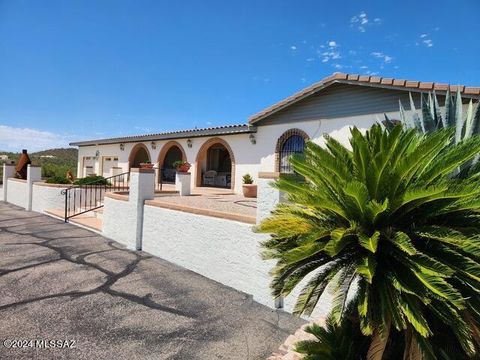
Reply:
x=183, y=168
x=249, y=190
x=146, y=165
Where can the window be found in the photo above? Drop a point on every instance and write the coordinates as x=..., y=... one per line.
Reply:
x=295, y=144
x=115, y=159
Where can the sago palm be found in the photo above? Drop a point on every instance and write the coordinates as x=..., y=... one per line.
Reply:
x=386, y=225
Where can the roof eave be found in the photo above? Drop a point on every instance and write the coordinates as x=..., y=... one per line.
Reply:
x=384, y=83
x=242, y=129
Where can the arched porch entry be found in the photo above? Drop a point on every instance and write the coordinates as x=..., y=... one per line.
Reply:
x=215, y=164
x=171, y=152
x=139, y=154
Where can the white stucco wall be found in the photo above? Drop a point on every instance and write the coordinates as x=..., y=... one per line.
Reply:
x=17, y=192
x=223, y=250
x=119, y=218
x=243, y=150
x=249, y=158
x=47, y=197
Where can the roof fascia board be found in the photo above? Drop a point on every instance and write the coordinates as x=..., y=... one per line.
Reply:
x=140, y=138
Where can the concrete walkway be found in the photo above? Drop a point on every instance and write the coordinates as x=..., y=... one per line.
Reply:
x=61, y=282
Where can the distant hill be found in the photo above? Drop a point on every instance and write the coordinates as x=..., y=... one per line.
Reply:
x=64, y=155
x=54, y=162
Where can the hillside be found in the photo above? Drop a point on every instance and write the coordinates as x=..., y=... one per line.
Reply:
x=54, y=162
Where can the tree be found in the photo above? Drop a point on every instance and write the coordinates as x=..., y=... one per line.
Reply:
x=388, y=222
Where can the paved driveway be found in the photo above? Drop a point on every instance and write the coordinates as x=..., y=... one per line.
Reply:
x=60, y=282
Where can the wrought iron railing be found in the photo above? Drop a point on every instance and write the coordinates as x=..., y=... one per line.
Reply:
x=80, y=199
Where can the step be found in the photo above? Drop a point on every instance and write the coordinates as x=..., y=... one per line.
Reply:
x=89, y=220
x=92, y=222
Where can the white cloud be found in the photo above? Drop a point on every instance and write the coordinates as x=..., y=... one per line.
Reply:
x=293, y=47
x=16, y=139
x=361, y=21
x=424, y=39
x=310, y=59
x=331, y=52
x=384, y=57
x=338, y=66
x=428, y=42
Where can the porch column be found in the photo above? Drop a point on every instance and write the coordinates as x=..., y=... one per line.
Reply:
x=183, y=182
x=8, y=172
x=34, y=174
x=142, y=187
x=267, y=196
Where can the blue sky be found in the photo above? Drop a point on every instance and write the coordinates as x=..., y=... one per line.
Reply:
x=73, y=70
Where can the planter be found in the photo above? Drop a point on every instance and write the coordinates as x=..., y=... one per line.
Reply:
x=249, y=190
x=183, y=168
x=146, y=166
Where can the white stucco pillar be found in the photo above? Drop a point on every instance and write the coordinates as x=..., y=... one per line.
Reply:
x=267, y=196
x=34, y=174
x=142, y=187
x=8, y=172
x=157, y=176
x=183, y=183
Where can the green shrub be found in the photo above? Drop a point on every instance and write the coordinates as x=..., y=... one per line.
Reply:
x=390, y=220
x=58, y=180
x=92, y=180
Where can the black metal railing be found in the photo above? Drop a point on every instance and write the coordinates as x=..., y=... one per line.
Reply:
x=83, y=198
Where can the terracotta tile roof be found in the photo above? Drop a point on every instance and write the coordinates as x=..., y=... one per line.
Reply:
x=400, y=84
x=211, y=131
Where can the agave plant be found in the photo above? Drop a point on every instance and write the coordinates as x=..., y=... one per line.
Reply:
x=387, y=222
x=432, y=117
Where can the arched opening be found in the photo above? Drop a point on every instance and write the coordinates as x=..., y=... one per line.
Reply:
x=171, y=152
x=215, y=165
x=138, y=155
x=290, y=143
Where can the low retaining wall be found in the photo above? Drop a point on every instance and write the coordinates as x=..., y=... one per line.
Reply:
x=47, y=196
x=118, y=219
x=223, y=250
x=17, y=192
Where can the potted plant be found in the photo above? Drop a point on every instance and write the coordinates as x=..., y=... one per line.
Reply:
x=146, y=165
x=182, y=166
x=249, y=189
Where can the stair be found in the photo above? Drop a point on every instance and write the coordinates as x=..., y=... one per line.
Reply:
x=92, y=220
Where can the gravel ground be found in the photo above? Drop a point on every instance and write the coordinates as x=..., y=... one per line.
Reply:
x=60, y=282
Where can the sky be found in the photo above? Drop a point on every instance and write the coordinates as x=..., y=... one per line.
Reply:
x=85, y=69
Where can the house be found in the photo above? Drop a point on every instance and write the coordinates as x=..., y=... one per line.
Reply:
x=3, y=157
x=211, y=233
x=220, y=156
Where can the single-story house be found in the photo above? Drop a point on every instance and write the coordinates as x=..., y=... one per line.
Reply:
x=220, y=156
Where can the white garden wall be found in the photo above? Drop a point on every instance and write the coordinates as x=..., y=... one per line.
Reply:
x=47, y=197
x=223, y=250
x=17, y=192
x=118, y=219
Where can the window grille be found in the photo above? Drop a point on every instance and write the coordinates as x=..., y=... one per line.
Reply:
x=295, y=144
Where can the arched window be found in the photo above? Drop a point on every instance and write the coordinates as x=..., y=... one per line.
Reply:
x=295, y=144
x=291, y=142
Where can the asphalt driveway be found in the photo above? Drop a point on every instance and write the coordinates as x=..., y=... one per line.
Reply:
x=98, y=300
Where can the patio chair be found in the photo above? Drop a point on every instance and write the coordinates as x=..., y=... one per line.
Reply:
x=209, y=177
